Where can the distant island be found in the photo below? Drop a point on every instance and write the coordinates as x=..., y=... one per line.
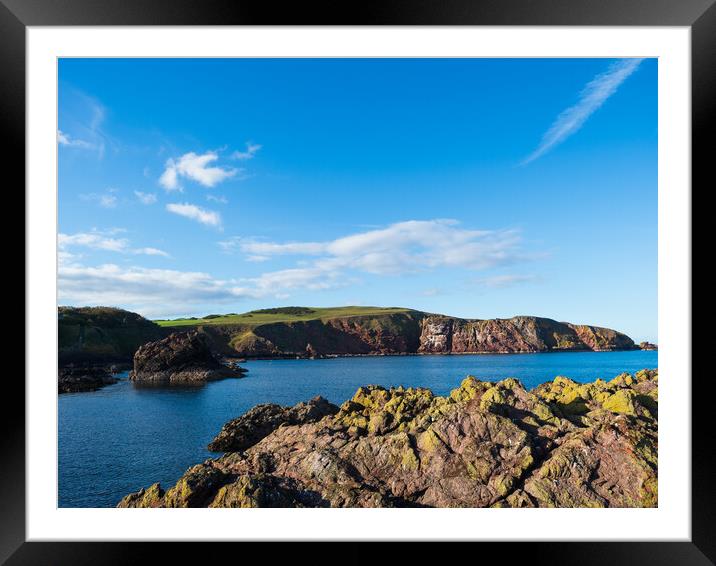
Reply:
x=95, y=342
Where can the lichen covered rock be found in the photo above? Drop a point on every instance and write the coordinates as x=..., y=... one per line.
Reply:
x=262, y=420
x=563, y=444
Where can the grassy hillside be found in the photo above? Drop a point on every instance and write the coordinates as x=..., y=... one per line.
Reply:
x=282, y=314
x=102, y=334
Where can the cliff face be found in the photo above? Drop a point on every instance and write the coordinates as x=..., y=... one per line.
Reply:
x=102, y=335
x=519, y=334
x=413, y=332
x=384, y=334
x=563, y=444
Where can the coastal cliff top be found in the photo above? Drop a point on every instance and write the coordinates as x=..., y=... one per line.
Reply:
x=286, y=314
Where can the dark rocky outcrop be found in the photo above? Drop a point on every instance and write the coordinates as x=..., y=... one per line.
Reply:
x=563, y=444
x=182, y=357
x=75, y=379
x=648, y=346
x=262, y=420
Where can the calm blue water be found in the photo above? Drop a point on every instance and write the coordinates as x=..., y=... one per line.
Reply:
x=123, y=437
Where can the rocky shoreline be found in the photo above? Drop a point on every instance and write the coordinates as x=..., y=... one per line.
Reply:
x=77, y=379
x=562, y=444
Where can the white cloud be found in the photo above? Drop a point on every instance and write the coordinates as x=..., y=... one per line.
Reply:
x=148, y=291
x=93, y=240
x=264, y=249
x=592, y=97
x=195, y=167
x=103, y=241
x=146, y=198
x=170, y=178
x=207, y=217
x=251, y=151
x=150, y=251
x=69, y=141
x=404, y=247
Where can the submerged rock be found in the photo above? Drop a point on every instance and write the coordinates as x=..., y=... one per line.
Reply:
x=180, y=358
x=563, y=444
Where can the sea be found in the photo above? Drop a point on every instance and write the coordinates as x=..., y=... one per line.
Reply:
x=125, y=436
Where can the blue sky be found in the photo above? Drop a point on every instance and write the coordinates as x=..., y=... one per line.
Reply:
x=472, y=187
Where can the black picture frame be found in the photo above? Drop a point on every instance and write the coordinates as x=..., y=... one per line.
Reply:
x=699, y=15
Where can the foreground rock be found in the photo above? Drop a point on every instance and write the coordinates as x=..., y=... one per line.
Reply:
x=182, y=357
x=75, y=379
x=262, y=420
x=564, y=444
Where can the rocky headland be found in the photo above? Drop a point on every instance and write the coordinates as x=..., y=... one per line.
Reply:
x=562, y=444
x=181, y=357
x=397, y=331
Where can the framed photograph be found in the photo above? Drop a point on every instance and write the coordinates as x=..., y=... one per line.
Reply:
x=419, y=274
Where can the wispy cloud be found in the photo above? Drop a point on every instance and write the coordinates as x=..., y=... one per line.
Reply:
x=69, y=141
x=108, y=199
x=403, y=248
x=150, y=251
x=251, y=151
x=102, y=240
x=219, y=199
x=592, y=97
x=83, y=119
x=196, y=168
x=146, y=198
x=152, y=292
x=207, y=217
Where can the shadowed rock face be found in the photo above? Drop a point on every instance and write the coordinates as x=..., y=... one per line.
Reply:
x=90, y=336
x=179, y=358
x=563, y=444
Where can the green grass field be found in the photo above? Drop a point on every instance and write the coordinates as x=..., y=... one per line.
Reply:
x=286, y=314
